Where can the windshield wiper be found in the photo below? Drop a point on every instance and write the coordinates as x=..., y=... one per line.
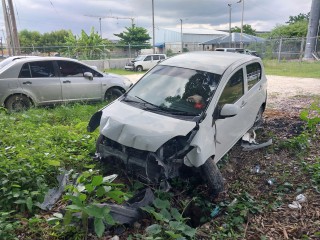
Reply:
x=168, y=110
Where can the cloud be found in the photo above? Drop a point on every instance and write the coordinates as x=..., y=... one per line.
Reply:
x=51, y=15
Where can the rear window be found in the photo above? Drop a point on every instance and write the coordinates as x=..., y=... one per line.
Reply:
x=253, y=74
x=37, y=70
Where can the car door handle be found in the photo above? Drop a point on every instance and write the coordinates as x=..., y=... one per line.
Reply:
x=27, y=83
x=243, y=104
x=66, y=81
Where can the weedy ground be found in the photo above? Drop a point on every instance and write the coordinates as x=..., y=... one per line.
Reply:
x=259, y=185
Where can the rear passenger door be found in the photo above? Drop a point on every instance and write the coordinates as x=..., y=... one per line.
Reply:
x=255, y=95
x=40, y=80
x=75, y=86
x=155, y=60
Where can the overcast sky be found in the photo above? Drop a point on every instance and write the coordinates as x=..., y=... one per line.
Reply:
x=75, y=15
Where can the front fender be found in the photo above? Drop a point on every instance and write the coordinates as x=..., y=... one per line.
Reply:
x=94, y=121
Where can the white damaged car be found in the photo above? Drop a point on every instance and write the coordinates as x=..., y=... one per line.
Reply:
x=186, y=112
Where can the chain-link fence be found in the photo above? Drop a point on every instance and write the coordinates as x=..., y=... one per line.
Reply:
x=280, y=49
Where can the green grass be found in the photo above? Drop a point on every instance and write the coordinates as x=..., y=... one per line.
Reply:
x=120, y=71
x=292, y=69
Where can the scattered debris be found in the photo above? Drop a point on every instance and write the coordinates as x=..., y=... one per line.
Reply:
x=215, y=212
x=130, y=212
x=301, y=198
x=249, y=142
x=271, y=181
x=296, y=204
x=54, y=194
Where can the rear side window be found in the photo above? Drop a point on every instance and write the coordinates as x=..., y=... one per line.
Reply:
x=253, y=74
x=156, y=57
x=162, y=57
x=37, y=70
x=233, y=90
x=73, y=69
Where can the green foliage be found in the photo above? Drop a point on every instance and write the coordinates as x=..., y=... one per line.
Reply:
x=247, y=28
x=86, y=46
x=137, y=37
x=297, y=29
x=170, y=222
x=298, y=18
x=237, y=213
x=33, y=145
x=89, y=190
x=30, y=41
x=7, y=226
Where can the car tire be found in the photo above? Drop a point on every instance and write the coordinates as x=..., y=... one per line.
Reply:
x=139, y=69
x=259, y=119
x=17, y=103
x=212, y=177
x=112, y=94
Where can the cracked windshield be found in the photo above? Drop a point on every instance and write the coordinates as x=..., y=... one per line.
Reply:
x=176, y=90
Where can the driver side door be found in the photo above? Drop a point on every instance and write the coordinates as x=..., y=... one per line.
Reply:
x=230, y=130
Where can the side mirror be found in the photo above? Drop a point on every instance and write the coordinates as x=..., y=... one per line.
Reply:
x=229, y=110
x=88, y=75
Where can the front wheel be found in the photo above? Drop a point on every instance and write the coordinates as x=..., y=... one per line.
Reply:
x=17, y=103
x=212, y=177
x=139, y=69
x=112, y=94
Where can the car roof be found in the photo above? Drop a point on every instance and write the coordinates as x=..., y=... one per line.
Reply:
x=35, y=59
x=209, y=61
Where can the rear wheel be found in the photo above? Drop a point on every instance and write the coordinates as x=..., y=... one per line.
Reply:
x=259, y=120
x=112, y=94
x=212, y=176
x=18, y=102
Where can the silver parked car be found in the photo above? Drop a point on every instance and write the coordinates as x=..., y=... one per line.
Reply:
x=186, y=112
x=50, y=80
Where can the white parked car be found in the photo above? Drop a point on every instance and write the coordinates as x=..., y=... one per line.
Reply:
x=145, y=62
x=186, y=112
x=50, y=80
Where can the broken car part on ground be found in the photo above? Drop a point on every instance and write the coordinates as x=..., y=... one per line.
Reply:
x=183, y=114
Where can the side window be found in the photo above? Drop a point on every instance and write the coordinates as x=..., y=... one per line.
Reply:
x=233, y=90
x=148, y=58
x=162, y=57
x=25, y=71
x=37, y=70
x=156, y=57
x=253, y=74
x=73, y=69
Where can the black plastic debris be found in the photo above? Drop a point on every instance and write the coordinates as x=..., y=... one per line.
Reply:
x=130, y=212
x=54, y=194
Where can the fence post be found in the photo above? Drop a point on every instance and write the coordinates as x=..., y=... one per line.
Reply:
x=279, y=52
x=129, y=50
x=301, y=49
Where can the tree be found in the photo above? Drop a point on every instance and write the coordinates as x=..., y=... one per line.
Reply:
x=137, y=37
x=297, y=26
x=86, y=46
x=246, y=29
x=298, y=18
x=29, y=40
x=52, y=42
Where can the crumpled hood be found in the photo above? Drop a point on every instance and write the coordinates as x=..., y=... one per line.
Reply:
x=140, y=129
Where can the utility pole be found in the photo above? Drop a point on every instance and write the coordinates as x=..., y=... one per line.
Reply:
x=153, y=34
x=312, y=30
x=229, y=4
x=12, y=40
x=7, y=26
x=101, y=17
x=15, y=36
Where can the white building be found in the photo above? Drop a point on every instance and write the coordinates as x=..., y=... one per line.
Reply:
x=169, y=39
